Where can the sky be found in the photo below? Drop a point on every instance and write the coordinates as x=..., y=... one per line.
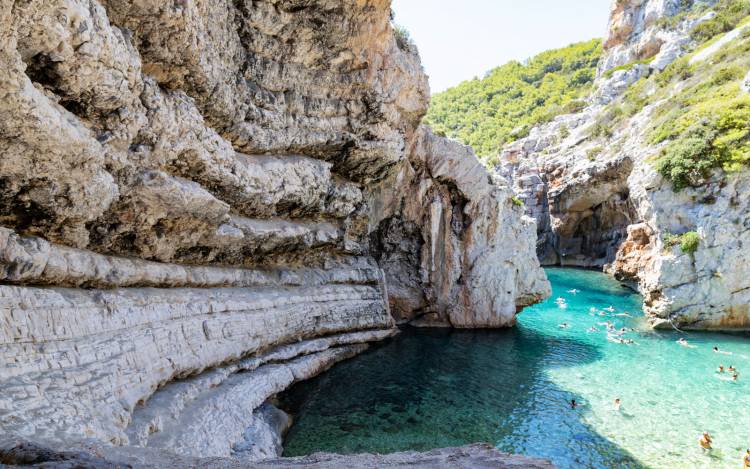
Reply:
x=460, y=40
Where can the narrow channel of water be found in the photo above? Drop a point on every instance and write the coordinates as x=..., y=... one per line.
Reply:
x=428, y=389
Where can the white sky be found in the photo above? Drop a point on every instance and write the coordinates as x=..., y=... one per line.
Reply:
x=461, y=39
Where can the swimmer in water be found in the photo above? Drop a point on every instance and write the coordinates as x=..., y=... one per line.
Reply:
x=564, y=325
x=731, y=369
x=705, y=441
x=684, y=343
x=574, y=291
x=735, y=377
x=593, y=329
x=617, y=404
x=716, y=350
x=573, y=404
x=611, y=309
x=721, y=369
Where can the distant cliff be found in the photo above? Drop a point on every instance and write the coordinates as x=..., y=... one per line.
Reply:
x=650, y=180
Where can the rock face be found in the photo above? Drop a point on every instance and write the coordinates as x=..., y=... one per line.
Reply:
x=455, y=248
x=96, y=456
x=639, y=30
x=188, y=196
x=599, y=201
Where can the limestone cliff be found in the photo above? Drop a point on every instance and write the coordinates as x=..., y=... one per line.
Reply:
x=189, y=194
x=455, y=248
x=591, y=180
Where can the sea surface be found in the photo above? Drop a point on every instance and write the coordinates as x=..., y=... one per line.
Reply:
x=434, y=388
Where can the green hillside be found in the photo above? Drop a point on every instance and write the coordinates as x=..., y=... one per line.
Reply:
x=512, y=98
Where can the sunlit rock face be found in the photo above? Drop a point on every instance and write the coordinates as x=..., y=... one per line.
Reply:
x=188, y=197
x=640, y=30
x=457, y=251
x=599, y=201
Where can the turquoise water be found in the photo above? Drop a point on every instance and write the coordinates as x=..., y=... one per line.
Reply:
x=428, y=388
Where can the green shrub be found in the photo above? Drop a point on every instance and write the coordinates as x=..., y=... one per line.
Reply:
x=689, y=242
x=510, y=100
x=592, y=153
x=726, y=74
x=712, y=133
x=601, y=129
x=403, y=39
x=516, y=201
x=627, y=66
x=680, y=69
x=730, y=13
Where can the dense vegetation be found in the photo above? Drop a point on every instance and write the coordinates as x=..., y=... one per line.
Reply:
x=729, y=14
x=701, y=117
x=511, y=99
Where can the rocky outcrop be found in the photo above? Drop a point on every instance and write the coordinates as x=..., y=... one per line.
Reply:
x=455, y=248
x=600, y=202
x=188, y=195
x=642, y=30
x=582, y=205
x=96, y=456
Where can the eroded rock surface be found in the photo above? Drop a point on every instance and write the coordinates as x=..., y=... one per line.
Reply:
x=96, y=456
x=454, y=234
x=599, y=201
x=188, y=194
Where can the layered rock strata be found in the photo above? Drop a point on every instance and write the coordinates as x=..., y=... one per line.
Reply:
x=600, y=202
x=188, y=195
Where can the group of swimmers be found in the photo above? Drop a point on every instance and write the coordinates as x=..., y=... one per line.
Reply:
x=613, y=334
x=731, y=370
x=706, y=443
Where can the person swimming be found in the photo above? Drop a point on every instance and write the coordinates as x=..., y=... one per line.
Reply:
x=721, y=369
x=618, y=404
x=746, y=459
x=574, y=291
x=611, y=309
x=735, y=377
x=681, y=341
x=706, y=441
x=564, y=325
x=716, y=350
x=731, y=369
x=573, y=404
x=593, y=329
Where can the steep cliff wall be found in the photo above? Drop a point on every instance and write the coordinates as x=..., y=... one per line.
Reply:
x=592, y=179
x=188, y=195
x=456, y=250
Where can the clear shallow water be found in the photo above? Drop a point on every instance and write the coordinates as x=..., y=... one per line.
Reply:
x=428, y=389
